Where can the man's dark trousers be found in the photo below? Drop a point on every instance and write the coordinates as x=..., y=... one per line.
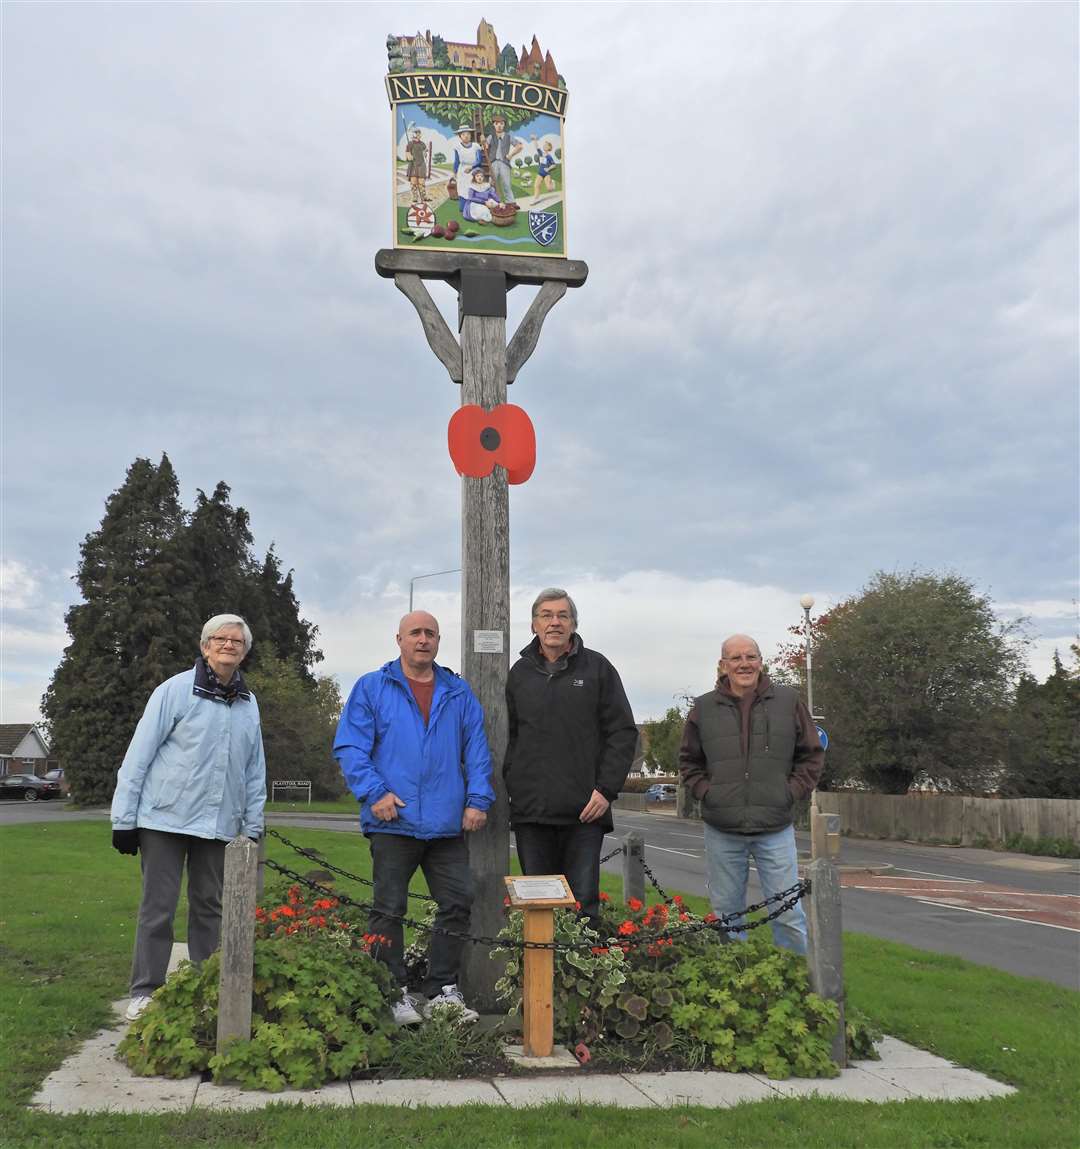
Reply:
x=572, y=850
x=445, y=866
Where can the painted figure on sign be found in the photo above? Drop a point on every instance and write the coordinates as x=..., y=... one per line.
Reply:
x=417, y=155
x=501, y=149
x=545, y=162
x=479, y=198
x=466, y=156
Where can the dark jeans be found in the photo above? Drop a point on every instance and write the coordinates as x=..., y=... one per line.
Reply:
x=445, y=865
x=573, y=851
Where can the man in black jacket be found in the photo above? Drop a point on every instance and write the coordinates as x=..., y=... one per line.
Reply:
x=572, y=740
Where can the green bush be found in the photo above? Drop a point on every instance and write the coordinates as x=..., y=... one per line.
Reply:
x=696, y=997
x=318, y=1013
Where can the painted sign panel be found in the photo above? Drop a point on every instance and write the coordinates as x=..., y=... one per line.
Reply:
x=478, y=145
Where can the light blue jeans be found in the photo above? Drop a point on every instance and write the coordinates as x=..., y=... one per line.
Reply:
x=727, y=858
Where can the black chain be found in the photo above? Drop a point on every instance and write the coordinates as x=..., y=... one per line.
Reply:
x=315, y=856
x=620, y=849
x=726, y=922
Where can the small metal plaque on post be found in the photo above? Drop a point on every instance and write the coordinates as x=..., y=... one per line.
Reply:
x=487, y=641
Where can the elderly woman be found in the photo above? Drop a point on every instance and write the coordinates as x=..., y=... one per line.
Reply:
x=193, y=778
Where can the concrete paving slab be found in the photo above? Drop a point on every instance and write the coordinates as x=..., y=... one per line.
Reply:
x=896, y=1054
x=949, y=1084
x=96, y=1061
x=468, y=1091
x=559, y=1058
x=143, y=1095
x=715, y=1090
x=853, y=1084
x=211, y=1096
x=594, y=1089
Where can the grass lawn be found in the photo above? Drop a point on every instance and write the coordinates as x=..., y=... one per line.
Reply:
x=346, y=805
x=66, y=932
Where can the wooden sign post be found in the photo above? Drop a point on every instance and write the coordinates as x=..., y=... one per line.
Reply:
x=538, y=898
x=478, y=196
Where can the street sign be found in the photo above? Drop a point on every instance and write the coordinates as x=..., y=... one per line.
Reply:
x=823, y=736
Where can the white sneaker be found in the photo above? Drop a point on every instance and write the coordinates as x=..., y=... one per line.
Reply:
x=136, y=1006
x=405, y=1010
x=452, y=1004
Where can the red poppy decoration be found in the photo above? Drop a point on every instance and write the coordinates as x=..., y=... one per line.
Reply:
x=479, y=439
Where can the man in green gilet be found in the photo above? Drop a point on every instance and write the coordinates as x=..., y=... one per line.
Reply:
x=749, y=751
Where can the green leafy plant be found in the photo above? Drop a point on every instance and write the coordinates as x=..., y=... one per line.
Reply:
x=587, y=981
x=689, y=998
x=319, y=1007
x=443, y=1048
x=861, y=1034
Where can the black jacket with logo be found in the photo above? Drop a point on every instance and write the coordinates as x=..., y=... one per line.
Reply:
x=571, y=732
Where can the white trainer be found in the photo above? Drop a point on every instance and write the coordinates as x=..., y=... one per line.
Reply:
x=136, y=1006
x=405, y=1010
x=452, y=1004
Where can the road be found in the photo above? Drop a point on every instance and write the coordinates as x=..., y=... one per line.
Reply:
x=1009, y=911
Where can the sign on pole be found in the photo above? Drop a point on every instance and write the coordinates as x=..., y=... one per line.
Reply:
x=479, y=154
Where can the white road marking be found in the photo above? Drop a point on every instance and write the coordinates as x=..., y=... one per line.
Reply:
x=932, y=874
x=997, y=917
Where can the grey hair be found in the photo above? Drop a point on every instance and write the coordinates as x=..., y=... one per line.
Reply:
x=550, y=594
x=218, y=622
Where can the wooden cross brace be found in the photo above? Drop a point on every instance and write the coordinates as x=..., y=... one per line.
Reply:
x=409, y=269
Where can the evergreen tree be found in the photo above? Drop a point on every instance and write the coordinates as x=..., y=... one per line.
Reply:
x=150, y=576
x=299, y=716
x=1044, y=736
x=132, y=629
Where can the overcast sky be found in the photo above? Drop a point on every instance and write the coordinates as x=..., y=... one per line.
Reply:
x=830, y=325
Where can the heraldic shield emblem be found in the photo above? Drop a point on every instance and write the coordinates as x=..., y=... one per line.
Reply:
x=543, y=227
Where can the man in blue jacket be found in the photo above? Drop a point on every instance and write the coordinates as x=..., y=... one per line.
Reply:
x=411, y=745
x=193, y=778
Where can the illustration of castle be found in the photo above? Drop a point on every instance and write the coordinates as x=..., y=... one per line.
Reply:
x=425, y=51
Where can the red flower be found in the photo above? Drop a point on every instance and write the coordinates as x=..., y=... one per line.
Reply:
x=598, y=950
x=628, y=928
x=604, y=897
x=634, y=904
x=677, y=899
x=710, y=917
x=324, y=904
x=577, y=906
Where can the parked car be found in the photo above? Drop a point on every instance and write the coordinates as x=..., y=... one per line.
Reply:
x=661, y=792
x=57, y=775
x=28, y=787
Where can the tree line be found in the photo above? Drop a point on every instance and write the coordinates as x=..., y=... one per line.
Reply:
x=150, y=576
x=919, y=684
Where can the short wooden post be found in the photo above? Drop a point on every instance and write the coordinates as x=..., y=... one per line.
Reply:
x=819, y=842
x=237, y=941
x=537, y=1008
x=825, y=952
x=633, y=874
x=538, y=898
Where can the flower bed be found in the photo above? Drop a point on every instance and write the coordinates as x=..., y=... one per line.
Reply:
x=692, y=1001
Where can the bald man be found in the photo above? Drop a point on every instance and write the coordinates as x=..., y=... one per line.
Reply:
x=749, y=750
x=411, y=745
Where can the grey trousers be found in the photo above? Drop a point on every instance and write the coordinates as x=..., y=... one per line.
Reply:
x=163, y=857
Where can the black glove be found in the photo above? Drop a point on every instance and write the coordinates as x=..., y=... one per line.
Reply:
x=126, y=841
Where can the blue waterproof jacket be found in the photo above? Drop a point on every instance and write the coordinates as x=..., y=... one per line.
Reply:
x=383, y=746
x=195, y=765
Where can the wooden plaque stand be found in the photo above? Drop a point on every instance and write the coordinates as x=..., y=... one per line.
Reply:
x=537, y=1015
x=483, y=364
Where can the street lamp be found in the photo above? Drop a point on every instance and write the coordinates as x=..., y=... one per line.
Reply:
x=806, y=602
x=431, y=574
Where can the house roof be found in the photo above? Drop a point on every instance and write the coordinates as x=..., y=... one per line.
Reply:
x=12, y=733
